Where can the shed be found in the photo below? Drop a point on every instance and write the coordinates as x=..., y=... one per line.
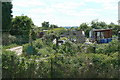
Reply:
x=101, y=35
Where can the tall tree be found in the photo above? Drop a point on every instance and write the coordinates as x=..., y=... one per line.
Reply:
x=21, y=26
x=102, y=24
x=45, y=24
x=83, y=26
x=98, y=25
x=94, y=24
x=6, y=16
x=86, y=28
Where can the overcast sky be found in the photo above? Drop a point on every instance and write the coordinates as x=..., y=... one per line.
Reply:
x=67, y=12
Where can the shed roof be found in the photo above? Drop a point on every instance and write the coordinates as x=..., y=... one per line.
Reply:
x=96, y=30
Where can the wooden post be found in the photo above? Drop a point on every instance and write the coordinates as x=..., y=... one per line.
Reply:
x=119, y=35
x=51, y=68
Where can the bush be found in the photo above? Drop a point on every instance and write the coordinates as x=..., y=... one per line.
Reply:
x=68, y=48
x=63, y=61
x=8, y=39
x=84, y=66
x=109, y=48
x=46, y=51
x=22, y=39
x=10, y=46
x=38, y=43
x=8, y=60
x=60, y=66
x=29, y=49
x=24, y=67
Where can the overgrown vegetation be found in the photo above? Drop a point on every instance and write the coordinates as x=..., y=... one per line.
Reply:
x=43, y=59
x=65, y=61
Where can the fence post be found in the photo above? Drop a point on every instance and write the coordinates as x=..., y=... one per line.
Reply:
x=119, y=35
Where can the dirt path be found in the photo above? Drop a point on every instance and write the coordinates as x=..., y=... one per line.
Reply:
x=18, y=50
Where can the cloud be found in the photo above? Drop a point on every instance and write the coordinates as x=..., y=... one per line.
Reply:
x=72, y=9
x=106, y=4
x=110, y=6
x=102, y=1
x=65, y=12
x=27, y=3
x=68, y=5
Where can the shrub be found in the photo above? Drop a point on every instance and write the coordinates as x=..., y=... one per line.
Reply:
x=8, y=39
x=109, y=48
x=24, y=67
x=29, y=49
x=9, y=59
x=10, y=46
x=68, y=48
x=38, y=44
x=60, y=66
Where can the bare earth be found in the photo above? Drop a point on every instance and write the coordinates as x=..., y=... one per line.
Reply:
x=18, y=50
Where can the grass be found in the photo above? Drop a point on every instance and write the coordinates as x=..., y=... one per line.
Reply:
x=10, y=46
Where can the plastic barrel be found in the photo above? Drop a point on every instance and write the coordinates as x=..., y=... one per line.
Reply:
x=105, y=41
x=102, y=41
x=109, y=40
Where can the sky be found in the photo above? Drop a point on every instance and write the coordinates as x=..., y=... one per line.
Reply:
x=67, y=12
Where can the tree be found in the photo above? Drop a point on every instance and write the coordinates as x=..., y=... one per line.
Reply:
x=21, y=26
x=98, y=25
x=116, y=29
x=6, y=16
x=102, y=24
x=85, y=28
x=45, y=24
x=53, y=26
x=94, y=24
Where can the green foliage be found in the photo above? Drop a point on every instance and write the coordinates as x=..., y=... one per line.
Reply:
x=57, y=31
x=49, y=37
x=63, y=38
x=53, y=26
x=83, y=26
x=6, y=16
x=39, y=47
x=68, y=60
x=47, y=51
x=108, y=48
x=86, y=28
x=45, y=25
x=24, y=67
x=53, y=33
x=29, y=49
x=60, y=66
x=9, y=46
x=84, y=66
x=68, y=48
x=116, y=29
x=38, y=44
x=8, y=39
x=98, y=25
x=7, y=62
x=21, y=26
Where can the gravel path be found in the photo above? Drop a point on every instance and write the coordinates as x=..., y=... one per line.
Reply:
x=18, y=50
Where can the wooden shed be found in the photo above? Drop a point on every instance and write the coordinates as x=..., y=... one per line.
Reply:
x=101, y=34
